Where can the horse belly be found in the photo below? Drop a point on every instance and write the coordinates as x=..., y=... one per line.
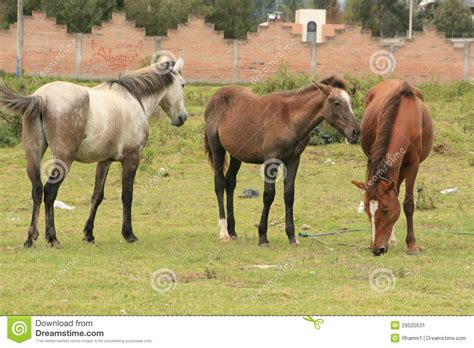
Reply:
x=245, y=151
x=93, y=150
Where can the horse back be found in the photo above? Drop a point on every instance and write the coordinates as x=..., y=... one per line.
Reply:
x=412, y=118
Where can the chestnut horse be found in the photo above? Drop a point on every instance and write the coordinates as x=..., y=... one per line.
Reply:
x=397, y=135
x=273, y=130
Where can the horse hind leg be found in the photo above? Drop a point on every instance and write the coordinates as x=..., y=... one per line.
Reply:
x=409, y=209
x=218, y=158
x=97, y=197
x=35, y=145
x=60, y=168
x=231, y=183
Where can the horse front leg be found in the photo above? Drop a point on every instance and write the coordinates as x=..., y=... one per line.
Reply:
x=97, y=197
x=268, y=197
x=409, y=209
x=129, y=169
x=289, y=195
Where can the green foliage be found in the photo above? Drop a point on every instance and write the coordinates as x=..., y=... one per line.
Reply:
x=79, y=15
x=385, y=18
x=426, y=197
x=157, y=16
x=10, y=129
x=281, y=80
x=453, y=17
x=8, y=10
x=233, y=17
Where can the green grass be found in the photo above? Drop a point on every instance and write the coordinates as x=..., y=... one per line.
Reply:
x=175, y=218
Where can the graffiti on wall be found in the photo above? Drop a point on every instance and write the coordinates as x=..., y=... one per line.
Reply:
x=118, y=57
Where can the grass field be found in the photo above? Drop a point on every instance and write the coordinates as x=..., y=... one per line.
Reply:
x=175, y=218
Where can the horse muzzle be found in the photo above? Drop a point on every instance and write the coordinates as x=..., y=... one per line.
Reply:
x=179, y=121
x=379, y=251
x=353, y=136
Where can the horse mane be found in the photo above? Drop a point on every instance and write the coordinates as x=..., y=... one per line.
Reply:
x=377, y=166
x=292, y=92
x=332, y=81
x=335, y=81
x=145, y=82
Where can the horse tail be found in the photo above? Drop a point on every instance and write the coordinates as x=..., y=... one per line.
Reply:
x=207, y=149
x=27, y=106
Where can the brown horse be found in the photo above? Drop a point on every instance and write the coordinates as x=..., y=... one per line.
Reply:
x=397, y=135
x=273, y=130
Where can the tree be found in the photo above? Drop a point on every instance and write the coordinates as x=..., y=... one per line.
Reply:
x=234, y=17
x=386, y=18
x=157, y=16
x=454, y=18
x=8, y=12
x=332, y=7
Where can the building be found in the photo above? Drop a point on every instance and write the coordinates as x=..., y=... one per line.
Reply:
x=310, y=24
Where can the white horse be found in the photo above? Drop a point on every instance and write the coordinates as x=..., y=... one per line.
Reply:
x=101, y=124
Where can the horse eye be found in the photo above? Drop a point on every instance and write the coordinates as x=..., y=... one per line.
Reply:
x=183, y=85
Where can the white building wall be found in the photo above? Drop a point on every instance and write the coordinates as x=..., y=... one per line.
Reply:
x=304, y=16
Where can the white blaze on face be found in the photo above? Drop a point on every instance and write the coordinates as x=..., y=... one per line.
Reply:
x=373, y=206
x=347, y=98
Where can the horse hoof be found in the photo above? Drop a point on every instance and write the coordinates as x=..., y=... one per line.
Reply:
x=28, y=244
x=131, y=239
x=233, y=237
x=294, y=242
x=414, y=252
x=264, y=245
x=88, y=239
x=55, y=244
x=225, y=239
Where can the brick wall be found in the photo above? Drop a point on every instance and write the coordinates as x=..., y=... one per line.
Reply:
x=114, y=48
x=118, y=46
x=208, y=57
x=262, y=52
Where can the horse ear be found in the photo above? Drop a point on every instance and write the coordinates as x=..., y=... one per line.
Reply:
x=323, y=87
x=360, y=185
x=178, y=66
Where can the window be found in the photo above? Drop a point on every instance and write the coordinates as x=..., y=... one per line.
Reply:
x=311, y=32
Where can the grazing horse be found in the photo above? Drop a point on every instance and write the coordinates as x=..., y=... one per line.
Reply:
x=397, y=135
x=270, y=130
x=102, y=124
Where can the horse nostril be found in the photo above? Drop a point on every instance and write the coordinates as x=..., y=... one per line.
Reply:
x=378, y=252
x=355, y=133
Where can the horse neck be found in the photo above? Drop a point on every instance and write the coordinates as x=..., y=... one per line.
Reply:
x=151, y=103
x=396, y=151
x=304, y=109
